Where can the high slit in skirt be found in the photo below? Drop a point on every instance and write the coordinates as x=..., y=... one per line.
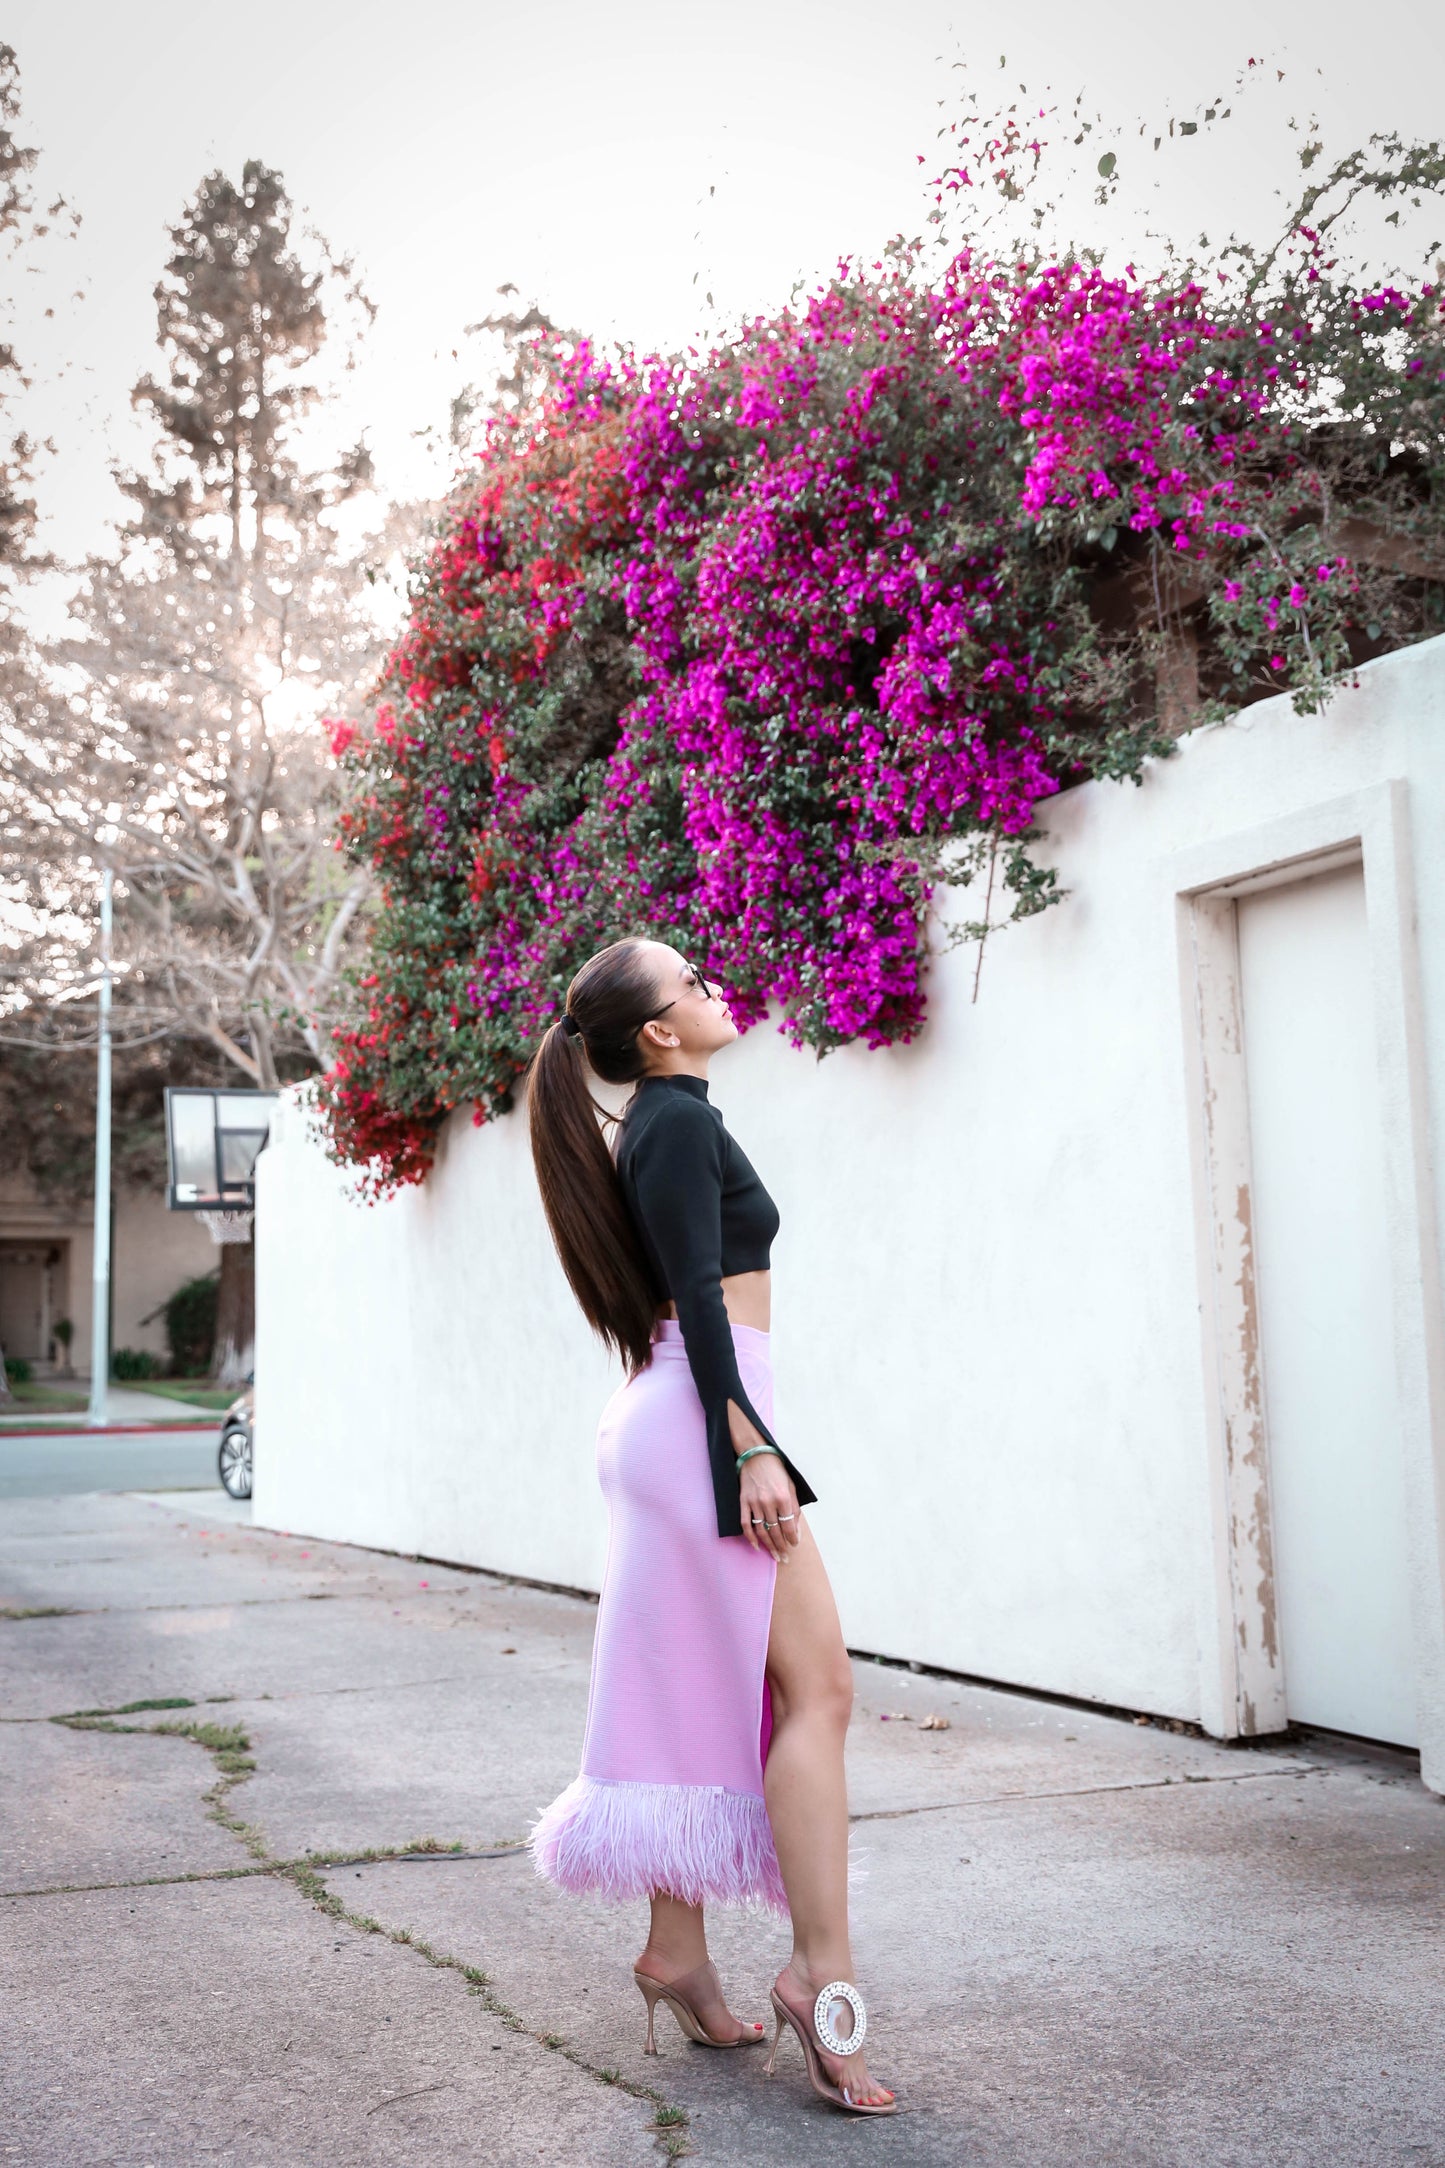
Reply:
x=670, y=1798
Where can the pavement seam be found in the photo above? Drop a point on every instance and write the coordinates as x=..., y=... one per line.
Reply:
x=425, y=1849
x=20, y=1616
x=1086, y=1791
x=230, y=1748
x=303, y=1693
x=147, y=1881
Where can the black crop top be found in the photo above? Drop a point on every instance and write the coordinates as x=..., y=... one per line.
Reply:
x=702, y=1214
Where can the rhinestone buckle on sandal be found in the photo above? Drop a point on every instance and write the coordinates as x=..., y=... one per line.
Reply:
x=832, y=2042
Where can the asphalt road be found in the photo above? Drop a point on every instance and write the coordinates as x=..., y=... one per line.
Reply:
x=51, y=1467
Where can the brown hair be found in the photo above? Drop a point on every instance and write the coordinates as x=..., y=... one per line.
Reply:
x=608, y=1002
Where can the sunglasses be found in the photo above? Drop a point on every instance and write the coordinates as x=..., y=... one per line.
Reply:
x=696, y=984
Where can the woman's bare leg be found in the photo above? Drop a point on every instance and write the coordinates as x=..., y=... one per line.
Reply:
x=677, y=1945
x=811, y=1683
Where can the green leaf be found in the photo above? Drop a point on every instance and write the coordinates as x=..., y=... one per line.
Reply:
x=1107, y=164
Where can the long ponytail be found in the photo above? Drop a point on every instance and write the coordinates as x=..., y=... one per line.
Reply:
x=608, y=1002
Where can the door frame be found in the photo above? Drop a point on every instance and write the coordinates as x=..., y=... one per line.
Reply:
x=1241, y=1672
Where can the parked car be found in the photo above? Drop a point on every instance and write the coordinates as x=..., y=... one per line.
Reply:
x=234, y=1459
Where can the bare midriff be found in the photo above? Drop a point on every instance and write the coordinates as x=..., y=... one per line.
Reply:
x=747, y=1297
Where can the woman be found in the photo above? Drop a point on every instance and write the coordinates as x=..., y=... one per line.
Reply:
x=712, y=1768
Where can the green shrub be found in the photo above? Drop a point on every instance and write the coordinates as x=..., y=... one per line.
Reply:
x=17, y=1369
x=191, y=1325
x=135, y=1362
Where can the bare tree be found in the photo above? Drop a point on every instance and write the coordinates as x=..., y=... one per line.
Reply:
x=177, y=734
x=21, y=225
x=181, y=739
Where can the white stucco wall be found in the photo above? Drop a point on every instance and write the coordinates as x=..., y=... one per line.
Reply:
x=987, y=1289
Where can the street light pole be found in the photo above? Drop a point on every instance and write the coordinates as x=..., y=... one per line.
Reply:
x=100, y=1303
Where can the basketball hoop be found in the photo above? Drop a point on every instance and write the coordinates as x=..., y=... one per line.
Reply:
x=227, y=1226
x=213, y=1139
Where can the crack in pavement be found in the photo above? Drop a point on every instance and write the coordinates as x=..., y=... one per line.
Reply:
x=230, y=1749
x=441, y=2086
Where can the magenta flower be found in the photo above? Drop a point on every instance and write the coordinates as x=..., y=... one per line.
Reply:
x=754, y=648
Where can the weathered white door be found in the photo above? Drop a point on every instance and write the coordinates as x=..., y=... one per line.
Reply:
x=1336, y=1483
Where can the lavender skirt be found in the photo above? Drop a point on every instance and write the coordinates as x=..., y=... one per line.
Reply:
x=670, y=1798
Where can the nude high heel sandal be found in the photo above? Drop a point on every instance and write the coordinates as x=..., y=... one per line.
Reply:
x=678, y=1995
x=819, y=2033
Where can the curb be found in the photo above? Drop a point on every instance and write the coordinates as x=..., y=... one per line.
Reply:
x=108, y=1430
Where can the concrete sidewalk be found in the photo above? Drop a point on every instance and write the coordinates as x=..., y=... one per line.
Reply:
x=124, y=1404
x=1083, y=1941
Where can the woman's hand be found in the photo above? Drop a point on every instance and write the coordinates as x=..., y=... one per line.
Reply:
x=767, y=1497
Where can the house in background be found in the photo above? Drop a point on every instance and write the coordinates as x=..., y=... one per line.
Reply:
x=46, y=1254
x=47, y=1147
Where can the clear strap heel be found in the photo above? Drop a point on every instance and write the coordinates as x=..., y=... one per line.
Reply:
x=681, y=1997
x=816, y=2032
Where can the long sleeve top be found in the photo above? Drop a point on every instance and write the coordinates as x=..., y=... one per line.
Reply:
x=702, y=1214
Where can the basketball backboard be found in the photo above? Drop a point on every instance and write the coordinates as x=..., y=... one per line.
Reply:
x=213, y=1139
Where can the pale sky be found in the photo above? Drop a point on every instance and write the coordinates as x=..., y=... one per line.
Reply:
x=571, y=149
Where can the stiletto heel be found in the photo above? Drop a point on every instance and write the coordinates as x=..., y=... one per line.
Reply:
x=777, y=2036
x=820, y=2034
x=678, y=1995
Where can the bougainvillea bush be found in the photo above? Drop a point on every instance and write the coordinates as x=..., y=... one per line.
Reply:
x=750, y=649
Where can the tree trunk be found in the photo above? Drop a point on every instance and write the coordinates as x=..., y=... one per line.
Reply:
x=1176, y=683
x=235, y=1346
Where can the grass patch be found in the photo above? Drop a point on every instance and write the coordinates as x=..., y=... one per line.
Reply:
x=671, y=2127
x=195, y=1392
x=378, y=1855
x=228, y=1742
x=38, y=1610
x=45, y=1400
x=127, y=1708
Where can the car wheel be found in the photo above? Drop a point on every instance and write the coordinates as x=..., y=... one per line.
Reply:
x=235, y=1463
